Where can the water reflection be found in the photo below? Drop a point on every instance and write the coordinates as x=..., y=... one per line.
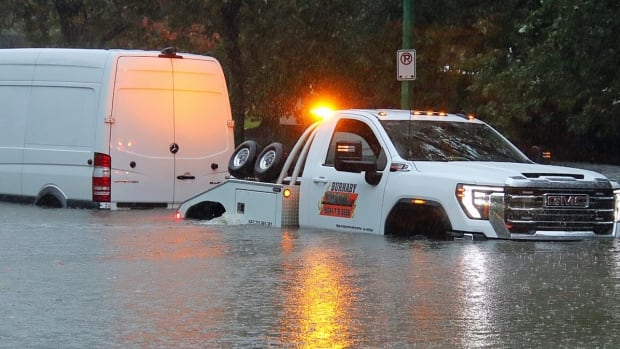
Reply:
x=76, y=278
x=168, y=286
x=616, y=261
x=318, y=300
x=472, y=281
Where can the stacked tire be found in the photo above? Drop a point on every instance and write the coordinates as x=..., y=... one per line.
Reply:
x=249, y=160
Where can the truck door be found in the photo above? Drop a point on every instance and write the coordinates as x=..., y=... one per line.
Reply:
x=342, y=200
x=202, y=137
x=142, y=131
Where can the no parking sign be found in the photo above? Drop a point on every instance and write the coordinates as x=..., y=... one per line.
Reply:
x=405, y=61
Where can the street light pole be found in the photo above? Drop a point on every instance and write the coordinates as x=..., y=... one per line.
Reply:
x=404, y=85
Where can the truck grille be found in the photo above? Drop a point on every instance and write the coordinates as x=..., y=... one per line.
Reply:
x=529, y=210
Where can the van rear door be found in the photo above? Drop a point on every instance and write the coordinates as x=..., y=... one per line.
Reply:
x=170, y=136
x=142, y=132
x=202, y=137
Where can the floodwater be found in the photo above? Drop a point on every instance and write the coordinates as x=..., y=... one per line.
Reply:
x=141, y=279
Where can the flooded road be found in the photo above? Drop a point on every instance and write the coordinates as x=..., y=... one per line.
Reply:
x=141, y=279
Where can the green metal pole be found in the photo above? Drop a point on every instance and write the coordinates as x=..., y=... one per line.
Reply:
x=404, y=87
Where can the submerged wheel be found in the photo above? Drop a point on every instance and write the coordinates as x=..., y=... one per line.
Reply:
x=241, y=162
x=205, y=210
x=51, y=197
x=408, y=220
x=269, y=162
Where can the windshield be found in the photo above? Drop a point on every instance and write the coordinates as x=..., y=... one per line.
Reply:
x=449, y=141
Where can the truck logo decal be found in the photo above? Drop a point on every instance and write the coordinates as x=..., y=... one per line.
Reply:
x=566, y=200
x=339, y=200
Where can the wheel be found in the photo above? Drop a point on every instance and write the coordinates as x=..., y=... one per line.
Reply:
x=205, y=210
x=269, y=162
x=241, y=162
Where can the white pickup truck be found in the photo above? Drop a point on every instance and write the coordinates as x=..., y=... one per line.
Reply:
x=407, y=173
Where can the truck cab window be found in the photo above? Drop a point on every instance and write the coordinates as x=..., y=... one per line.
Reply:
x=351, y=130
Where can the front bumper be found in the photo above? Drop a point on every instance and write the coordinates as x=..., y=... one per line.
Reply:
x=497, y=221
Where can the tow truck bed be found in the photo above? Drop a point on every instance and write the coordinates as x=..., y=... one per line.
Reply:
x=251, y=202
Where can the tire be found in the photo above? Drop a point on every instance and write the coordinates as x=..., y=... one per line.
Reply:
x=269, y=162
x=206, y=210
x=241, y=163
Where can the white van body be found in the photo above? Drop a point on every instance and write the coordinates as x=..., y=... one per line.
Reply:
x=111, y=128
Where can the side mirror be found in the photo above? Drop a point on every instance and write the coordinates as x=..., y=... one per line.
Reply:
x=348, y=158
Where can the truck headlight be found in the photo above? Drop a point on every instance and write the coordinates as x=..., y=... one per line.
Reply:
x=475, y=199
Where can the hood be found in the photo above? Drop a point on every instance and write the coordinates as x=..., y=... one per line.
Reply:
x=497, y=173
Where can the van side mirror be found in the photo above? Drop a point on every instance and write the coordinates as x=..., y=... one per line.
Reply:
x=348, y=158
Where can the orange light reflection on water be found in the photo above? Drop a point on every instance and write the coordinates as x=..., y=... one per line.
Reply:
x=318, y=304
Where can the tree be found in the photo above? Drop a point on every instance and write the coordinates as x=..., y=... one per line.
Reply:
x=555, y=79
x=540, y=71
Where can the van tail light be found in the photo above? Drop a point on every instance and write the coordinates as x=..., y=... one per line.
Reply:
x=101, y=178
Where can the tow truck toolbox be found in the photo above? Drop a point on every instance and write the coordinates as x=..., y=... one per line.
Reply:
x=405, y=172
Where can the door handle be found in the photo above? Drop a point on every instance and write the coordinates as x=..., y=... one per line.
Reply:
x=319, y=180
x=186, y=176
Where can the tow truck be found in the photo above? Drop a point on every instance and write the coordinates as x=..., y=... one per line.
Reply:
x=409, y=173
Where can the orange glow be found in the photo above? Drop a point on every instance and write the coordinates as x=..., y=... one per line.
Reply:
x=321, y=304
x=428, y=113
x=418, y=201
x=286, y=193
x=470, y=117
x=322, y=110
x=287, y=244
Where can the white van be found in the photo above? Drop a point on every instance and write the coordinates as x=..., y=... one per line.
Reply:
x=111, y=128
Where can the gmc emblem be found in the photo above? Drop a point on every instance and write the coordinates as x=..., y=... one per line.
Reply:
x=566, y=200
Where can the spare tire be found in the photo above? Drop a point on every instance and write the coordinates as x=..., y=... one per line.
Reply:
x=269, y=162
x=241, y=163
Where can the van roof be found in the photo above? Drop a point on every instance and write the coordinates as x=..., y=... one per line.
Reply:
x=73, y=56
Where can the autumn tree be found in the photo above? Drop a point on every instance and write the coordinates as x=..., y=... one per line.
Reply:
x=543, y=72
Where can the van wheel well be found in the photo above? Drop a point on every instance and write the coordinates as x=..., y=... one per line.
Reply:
x=409, y=219
x=51, y=197
x=205, y=210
